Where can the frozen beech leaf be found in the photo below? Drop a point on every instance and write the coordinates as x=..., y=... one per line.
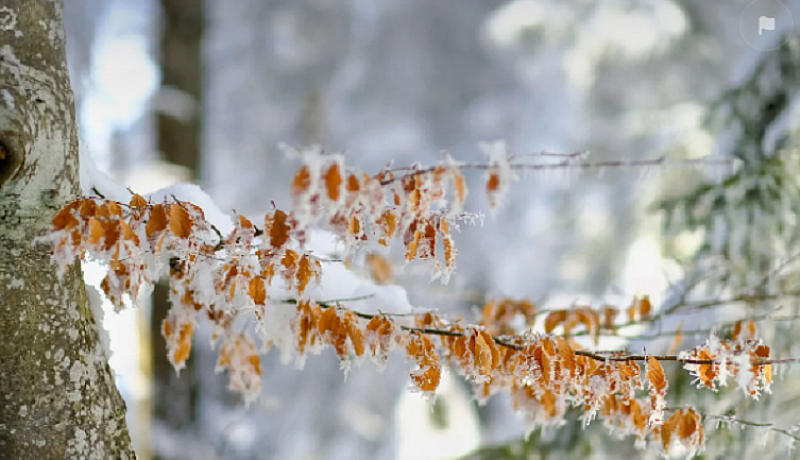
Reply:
x=413, y=243
x=88, y=209
x=421, y=349
x=668, y=427
x=379, y=267
x=737, y=330
x=96, y=231
x=114, y=209
x=102, y=212
x=687, y=425
x=157, y=220
x=354, y=333
x=333, y=182
x=138, y=201
x=127, y=232
x=301, y=181
x=645, y=307
x=460, y=186
x=355, y=225
x=388, y=224
x=352, y=183
x=484, y=359
x=180, y=224
x=762, y=353
x=278, y=227
x=257, y=290
x=493, y=182
x=306, y=270
x=751, y=329
x=609, y=317
x=655, y=373
x=244, y=222
x=289, y=259
x=112, y=231
x=65, y=219
x=553, y=319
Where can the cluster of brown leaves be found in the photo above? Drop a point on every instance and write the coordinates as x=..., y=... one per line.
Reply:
x=121, y=234
x=360, y=208
x=740, y=358
x=686, y=426
x=512, y=317
x=545, y=374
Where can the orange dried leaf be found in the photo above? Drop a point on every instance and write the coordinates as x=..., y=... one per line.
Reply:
x=737, y=330
x=328, y=321
x=354, y=333
x=483, y=354
x=112, y=231
x=184, y=344
x=460, y=186
x=289, y=259
x=609, y=317
x=380, y=268
x=388, y=224
x=553, y=319
x=687, y=424
x=65, y=219
x=751, y=329
x=257, y=290
x=645, y=307
x=255, y=362
x=302, y=181
x=180, y=224
x=655, y=374
x=493, y=182
x=762, y=352
x=114, y=209
x=244, y=222
x=127, y=232
x=138, y=201
x=668, y=427
x=96, y=231
x=278, y=229
x=157, y=221
x=352, y=183
x=304, y=273
x=355, y=225
x=333, y=182
x=411, y=247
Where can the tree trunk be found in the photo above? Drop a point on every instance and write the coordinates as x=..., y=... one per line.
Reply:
x=57, y=394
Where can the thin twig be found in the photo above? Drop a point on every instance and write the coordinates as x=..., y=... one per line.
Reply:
x=731, y=419
x=564, y=165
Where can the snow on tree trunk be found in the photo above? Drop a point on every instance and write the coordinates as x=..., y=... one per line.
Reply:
x=57, y=394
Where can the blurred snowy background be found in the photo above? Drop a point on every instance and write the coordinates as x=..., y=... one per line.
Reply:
x=205, y=91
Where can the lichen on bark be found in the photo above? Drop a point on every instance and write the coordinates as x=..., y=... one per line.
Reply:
x=57, y=394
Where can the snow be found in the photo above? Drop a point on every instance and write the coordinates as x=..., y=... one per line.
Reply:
x=96, y=301
x=339, y=282
x=94, y=181
x=194, y=194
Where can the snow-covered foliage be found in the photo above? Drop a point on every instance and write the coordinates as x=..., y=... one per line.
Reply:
x=266, y=273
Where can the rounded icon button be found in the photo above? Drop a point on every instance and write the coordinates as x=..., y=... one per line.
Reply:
x=762, y=23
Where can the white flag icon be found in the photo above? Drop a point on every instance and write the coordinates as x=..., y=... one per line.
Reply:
x=765, y=23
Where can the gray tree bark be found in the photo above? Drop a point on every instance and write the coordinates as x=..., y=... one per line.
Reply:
x=57, y=394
